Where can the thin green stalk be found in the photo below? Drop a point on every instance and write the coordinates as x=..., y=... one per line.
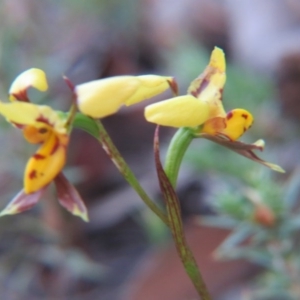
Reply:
x=176, y=226
x=124, y=169
x=177, y=148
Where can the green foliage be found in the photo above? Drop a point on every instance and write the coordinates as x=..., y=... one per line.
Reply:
x=272, y=245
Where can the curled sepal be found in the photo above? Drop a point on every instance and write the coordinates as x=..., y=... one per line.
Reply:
x=101, y=98
x=46, y=163
x=22, y=202
x=35, y=78
x=69, y=198
x=243, y=149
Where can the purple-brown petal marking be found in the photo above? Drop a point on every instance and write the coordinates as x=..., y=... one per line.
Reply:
x=229, y=115
x=39, y=156
x=43, y=130
x=42, y=119
x=55, y=147
x=32, y=174
x=201, y=88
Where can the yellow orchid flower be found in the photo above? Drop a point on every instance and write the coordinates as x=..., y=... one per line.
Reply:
x=42, y=125
x=202, y=106
x=103, y=97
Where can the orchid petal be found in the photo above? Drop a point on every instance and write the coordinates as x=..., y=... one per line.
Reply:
x=22, y=202
x=209, y=85
x=23, y=113
x=149, y=86
x=31, y=78
x=37, y=134
x=232, y=126
x=178, y=112
x=104, y=97
x=217, y=59
x=20, y=112
x=243, y=149
x=214, y=126
x=69, y=198
x=45, y=164
x=238, y=121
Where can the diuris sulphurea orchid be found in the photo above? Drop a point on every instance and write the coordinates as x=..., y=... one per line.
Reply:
x=202, y=106
x=42, y=125
x=200, y=113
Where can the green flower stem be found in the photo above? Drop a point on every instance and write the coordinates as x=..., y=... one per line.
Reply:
x=177, y=148
x=176, y=225
x=124, y=169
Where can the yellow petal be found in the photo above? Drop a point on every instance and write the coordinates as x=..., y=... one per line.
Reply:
x=178, y=112
x=209, y=85
x=237, y=122
x=37, y=135
x=214, y=126
x=104, y=97
x=217, y=59
x=232, y=126
x=31, y=78
x=149, y=86
x=23, y=113
x=45, y=164
x=20, y=112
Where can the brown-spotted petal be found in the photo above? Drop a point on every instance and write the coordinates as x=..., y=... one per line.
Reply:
x=69, y=197
x=243, y=149
x=46, y=163
x=22, y=202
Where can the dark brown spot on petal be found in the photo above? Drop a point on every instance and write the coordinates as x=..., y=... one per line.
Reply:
x=201, y=88
x=245, y=129
x=245, y=116
x=21, y=96
x=55, y=147
x=32, y=174
x=42, y=119
x=221, y=93
x=39, y=156
x=43, y=130
x=203, y=85
x=229, y=115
